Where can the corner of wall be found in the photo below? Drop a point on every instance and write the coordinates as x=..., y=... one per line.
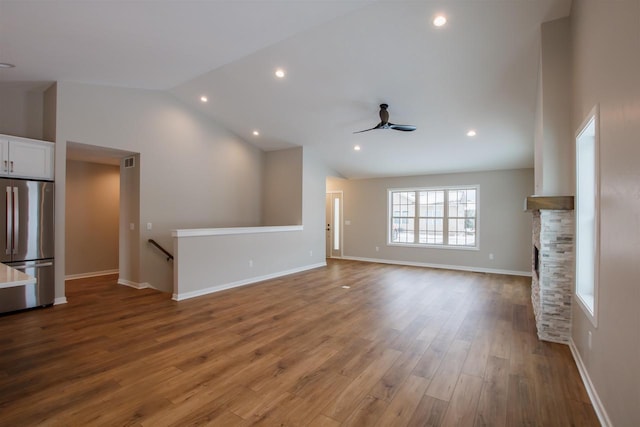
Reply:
x=553, y=134
x=49, y=113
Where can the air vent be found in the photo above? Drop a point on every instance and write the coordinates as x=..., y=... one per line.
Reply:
x=130, y=162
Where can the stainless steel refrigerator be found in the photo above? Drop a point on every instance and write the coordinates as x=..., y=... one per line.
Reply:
x=27, y=241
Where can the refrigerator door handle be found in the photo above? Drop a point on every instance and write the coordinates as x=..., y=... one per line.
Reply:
x=9, y=223
x=16, y=221
x=37, y=265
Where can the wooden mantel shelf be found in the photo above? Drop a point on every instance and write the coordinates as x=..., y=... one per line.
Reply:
x=560, y=203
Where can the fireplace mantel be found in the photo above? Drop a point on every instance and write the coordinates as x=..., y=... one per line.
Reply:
x=559, y=203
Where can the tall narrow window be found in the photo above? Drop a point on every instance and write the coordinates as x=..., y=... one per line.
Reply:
x=587, y=200
x=462, y=217
x=431, y=224
x=403, y=215
x=336, y=224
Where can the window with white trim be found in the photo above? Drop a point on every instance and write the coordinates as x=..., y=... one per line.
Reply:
x=587, y=202
x=434, y=216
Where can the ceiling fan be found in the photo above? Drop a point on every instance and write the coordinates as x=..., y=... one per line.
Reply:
x=384, y=122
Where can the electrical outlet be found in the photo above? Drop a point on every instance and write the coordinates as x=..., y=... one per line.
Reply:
x=491, y=257
x=589, y=341
x=132, y=226
x=250, y=263
x=377, y=248
x=310, y=253
x=149, y=226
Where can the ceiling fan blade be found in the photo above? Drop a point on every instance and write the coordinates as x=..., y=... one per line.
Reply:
x=404, y=128
x=378, y=126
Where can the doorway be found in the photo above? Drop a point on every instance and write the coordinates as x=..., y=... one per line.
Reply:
x=334, y=236
x=102, y=196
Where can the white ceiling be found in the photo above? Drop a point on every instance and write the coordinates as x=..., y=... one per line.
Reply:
x=342, y=59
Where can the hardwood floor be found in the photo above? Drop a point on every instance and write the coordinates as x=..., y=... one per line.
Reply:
x=402, y=346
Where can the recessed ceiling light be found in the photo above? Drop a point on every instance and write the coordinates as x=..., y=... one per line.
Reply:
x=439, y=20
x=356, y=147
x=204, y=98
x=256, y=133
x=471, y=133
x=6, y=65
x=279, y=73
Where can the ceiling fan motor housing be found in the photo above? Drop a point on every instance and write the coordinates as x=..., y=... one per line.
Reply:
x=384, y=122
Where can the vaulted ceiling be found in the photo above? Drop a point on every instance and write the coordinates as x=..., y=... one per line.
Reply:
x=341, y=59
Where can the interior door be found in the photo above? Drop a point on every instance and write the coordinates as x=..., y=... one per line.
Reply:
x=334, y=224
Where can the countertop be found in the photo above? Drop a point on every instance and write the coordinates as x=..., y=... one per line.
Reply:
x=10, y=277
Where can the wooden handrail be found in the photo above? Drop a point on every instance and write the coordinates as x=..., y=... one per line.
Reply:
x=157, y=245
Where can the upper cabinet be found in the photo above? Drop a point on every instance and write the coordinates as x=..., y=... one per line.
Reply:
x=26, y=158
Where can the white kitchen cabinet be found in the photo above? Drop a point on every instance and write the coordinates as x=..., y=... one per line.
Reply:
x=26, y=158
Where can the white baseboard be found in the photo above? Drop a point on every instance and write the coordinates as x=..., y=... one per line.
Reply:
x=61, y=300
x=442, y=266
x=135, y=285
x=603, y=417
x=200, y=292
x=91, y=274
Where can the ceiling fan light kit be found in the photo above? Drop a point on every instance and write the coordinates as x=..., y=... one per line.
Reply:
x=385, y=124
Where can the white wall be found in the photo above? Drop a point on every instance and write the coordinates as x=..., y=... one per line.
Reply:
x=553, y=135
x=208, y=263
x=129, y=247
x=282, y=187
x=505, y=230
x=606, y=70
x=21, y=106
x=193, y=173
x=538, y=136
x=49, y=110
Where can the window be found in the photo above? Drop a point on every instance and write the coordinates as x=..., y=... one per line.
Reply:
x=336, y=223
x=587, y=199
x=434, y=217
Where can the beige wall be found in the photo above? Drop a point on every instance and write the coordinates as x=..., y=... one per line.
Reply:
x=193, y=173
x=21, y=106
x=606, y=70
x=92, y=206
x=282, y=187
x=505, y=230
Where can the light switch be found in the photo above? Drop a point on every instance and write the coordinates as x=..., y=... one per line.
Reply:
x=149, y=226
x=132, y=226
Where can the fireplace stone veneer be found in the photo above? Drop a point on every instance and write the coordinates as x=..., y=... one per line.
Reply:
x=553, y=275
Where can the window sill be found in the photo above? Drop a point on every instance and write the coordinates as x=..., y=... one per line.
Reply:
x=423, y=246
x=587, y=304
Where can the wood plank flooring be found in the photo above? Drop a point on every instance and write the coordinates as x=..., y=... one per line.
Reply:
x=403, y=346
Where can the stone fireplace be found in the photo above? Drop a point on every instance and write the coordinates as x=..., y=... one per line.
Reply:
x=552, y=265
